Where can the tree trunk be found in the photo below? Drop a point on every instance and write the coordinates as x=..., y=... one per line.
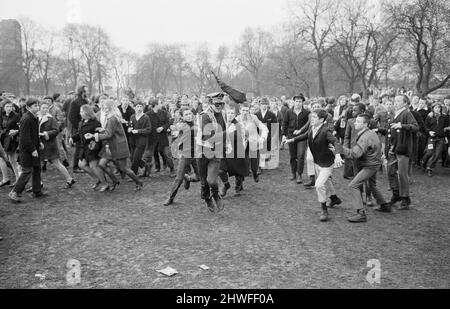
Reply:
x=322, y=91
x=351, y=86
x=27, y=86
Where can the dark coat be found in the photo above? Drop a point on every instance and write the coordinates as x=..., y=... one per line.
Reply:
x=154, y=121
x=144, y=128
x=437, y=125
x=269, y=119
x=235, y=163
x=126, y=115
x=84, y=128
x=401, y=141
x=115, y=137
x=293, y=122
x=74, y=112
x=320, y=146
x=29, y=140
x=164, y=122
x=8, y=123
x=51, y=149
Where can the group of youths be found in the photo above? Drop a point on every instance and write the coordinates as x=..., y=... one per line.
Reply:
x=213, y=138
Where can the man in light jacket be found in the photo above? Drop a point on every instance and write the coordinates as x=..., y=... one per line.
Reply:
x=366, y=153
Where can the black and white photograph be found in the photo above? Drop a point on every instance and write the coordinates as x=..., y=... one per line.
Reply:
x=224, y=150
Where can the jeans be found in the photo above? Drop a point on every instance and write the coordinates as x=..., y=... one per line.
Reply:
x=398, y=174
x=297, y=152
x=29, y=172
x=366, y=177
x=254, y=157
x=432, y=156
x=209, y=172
x=77, y=155
x=166, y=154
x=136, y=158
x=182, y=169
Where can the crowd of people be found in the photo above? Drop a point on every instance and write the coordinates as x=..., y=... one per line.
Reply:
x=210, y=138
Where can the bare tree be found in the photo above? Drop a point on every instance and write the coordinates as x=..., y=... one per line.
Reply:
x=155, y=68
x=200, y=68
x=290, y=67
x=30, y=35
x=44, y=59
x=424, y=25
x=252, y=52
x=315, y=20
x=363, y=41
x=92, y=45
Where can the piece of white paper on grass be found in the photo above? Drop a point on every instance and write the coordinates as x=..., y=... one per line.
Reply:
x=168, y=271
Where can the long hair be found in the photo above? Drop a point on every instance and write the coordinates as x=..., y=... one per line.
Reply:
x=112, y=109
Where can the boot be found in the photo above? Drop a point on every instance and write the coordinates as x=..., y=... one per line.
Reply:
x=385, y=208
x=335, y=201
x=168, y=202
x=369, y=202
x=187, y=182
x=299, y=180
x=224, y=190
x=406, y=202
x=219, y=203
x=395, y=198
x=360, y=217
x=172, y=173
x=210, y=204
x=311, y=183
x=294, y=177
x=324, y=216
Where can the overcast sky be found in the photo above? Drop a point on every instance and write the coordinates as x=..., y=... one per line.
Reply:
x=132, y=24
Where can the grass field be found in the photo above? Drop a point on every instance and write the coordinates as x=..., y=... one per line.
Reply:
x=270, y=237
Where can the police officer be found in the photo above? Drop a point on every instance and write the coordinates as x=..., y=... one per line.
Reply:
x=211, y=149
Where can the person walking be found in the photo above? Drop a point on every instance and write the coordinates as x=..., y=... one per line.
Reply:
x=74, y=119
x=48, y=132
x=236, y=162
x=9, y=138
x=139, y=131
x=294, y=120
x=186, y=131
x=211, y=150
x=367, y=155
x=29, y=149
x=321, y=143
x=437, y=126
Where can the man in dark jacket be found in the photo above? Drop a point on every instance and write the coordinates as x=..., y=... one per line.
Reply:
x=163, y=147
x=74, y=119
x=436, y=126
x=400, y=149
x=321, y=143
x=367, y=154
x=139, y=130
x=29, y=147
x=294, y=120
